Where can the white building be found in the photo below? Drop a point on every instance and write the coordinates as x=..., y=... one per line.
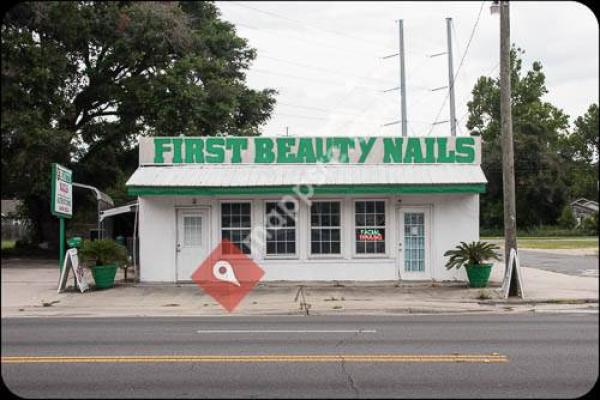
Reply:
x=377, y=208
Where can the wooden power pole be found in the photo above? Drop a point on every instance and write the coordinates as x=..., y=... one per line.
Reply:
x=508, y=163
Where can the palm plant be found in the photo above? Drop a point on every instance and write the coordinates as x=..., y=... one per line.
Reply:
x=474, y=253
x=103, y=252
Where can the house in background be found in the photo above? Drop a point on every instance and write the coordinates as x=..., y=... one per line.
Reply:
x=583, y=208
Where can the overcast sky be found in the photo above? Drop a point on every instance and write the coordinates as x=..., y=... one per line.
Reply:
x=324, y=58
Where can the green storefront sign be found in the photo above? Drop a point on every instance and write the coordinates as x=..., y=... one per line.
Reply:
x=61, y=197
x=61, y=202
x=309, y=150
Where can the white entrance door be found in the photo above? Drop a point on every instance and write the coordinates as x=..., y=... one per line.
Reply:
x=192, y=241
x=413, y=259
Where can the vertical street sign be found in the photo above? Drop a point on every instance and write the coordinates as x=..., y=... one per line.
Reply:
x=61, y=201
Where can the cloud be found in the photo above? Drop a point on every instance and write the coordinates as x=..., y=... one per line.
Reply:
x=325, y=58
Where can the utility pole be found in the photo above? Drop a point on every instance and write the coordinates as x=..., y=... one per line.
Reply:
x=403, y=117
x=404, y=122
x=508, y=163
x=451, y=79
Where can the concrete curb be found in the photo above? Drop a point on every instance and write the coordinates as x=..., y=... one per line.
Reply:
x=540, y=301
x=475, y=307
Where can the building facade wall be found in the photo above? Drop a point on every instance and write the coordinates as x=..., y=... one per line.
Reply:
x=452, y=218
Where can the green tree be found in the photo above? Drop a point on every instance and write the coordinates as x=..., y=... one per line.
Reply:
x=567, y=219
x=82, y=80
x=589, y=225
x=537, y=126
x=580, y=152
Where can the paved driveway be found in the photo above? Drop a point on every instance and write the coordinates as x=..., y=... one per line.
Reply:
x=579, y=265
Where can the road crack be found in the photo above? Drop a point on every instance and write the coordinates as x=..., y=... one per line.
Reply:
x=349, y=379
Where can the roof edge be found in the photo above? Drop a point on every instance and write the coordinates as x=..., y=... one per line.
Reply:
x=303, y=190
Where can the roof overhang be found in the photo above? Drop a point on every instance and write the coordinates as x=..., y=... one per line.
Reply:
x=220, y=180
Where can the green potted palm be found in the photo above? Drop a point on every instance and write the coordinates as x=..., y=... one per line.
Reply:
x=103, y=257
x=473, y=256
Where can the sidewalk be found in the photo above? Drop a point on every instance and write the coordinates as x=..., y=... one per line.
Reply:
x=29, y=289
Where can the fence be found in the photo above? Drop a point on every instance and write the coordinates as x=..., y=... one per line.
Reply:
x=14, y=229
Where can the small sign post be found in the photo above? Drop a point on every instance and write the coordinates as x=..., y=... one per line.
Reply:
x=513, y=282
x=71, y=262
x=61, y=202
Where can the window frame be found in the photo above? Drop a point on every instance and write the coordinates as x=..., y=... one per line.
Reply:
x=294, y=255
x=309, y=253
x=220, y=222
x=385, y=254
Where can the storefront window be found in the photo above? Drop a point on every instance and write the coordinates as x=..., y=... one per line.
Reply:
x=281, y=228
x=235, y=226
x=325, y=227
x=369, y=223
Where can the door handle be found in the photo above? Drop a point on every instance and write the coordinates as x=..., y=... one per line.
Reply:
x=178, y=248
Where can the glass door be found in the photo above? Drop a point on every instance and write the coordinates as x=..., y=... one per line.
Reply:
x=413, y=242
x=192, y=241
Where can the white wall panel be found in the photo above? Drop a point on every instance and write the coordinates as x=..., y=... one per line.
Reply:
x=454, y=218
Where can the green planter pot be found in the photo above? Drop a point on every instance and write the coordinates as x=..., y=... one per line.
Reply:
x=478, y=274
x=104, y=275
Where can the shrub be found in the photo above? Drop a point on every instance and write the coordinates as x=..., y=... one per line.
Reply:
x=589, y=225
x=567, y=219
x=103, y=252
x=474, y=253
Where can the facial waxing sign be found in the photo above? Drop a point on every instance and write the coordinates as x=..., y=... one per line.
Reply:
x=62, y=191
x=309, y=150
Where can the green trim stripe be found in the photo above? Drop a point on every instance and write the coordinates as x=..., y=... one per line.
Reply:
x=302, y=189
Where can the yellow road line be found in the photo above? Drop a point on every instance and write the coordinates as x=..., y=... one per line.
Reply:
x=372, y=358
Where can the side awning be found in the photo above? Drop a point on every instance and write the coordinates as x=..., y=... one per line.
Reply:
x=110, y=212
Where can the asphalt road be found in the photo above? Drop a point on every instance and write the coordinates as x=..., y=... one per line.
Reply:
x=521, y=355
x=581, y=265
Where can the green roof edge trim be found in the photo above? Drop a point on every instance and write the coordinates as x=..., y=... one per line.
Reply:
x=303, y=190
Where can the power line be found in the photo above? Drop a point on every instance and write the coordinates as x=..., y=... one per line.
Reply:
x=459, y=66
x=263, y=71
x=458, y=49
x=310, y=41
x=272, y=14
x=337, y=72
x=305, y=107
x=332, y=111
x=489, y=73
x=302, y=116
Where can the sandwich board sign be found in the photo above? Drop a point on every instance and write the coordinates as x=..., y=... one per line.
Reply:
x=513, y=286
x=72, y=263
x=62, y=191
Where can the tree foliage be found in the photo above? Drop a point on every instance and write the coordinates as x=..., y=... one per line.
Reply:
x=545, y=153
x=82, y=80
x=589, y=225
x=567, y=218
x=579, y=150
